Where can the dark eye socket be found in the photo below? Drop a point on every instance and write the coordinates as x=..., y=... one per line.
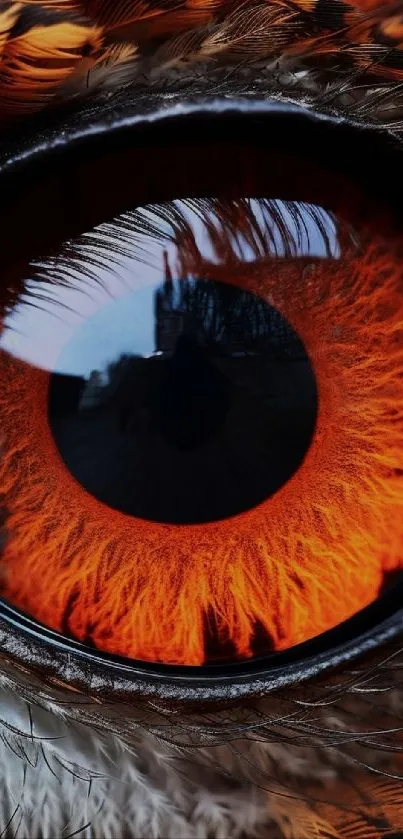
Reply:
x=81, y=174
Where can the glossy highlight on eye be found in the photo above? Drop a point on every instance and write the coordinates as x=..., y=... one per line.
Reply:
x=301, y=561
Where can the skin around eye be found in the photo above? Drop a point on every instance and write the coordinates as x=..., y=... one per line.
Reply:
x=202, y=434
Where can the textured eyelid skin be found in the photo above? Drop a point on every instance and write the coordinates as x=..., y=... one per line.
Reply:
x=113, y=116
x=99, y=675
x=108, y=118
x=29, y=646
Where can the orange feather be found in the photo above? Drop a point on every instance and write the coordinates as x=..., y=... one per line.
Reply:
x=46, y=45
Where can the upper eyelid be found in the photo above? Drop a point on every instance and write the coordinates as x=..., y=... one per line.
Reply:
x=100, y=116
x=156, y=116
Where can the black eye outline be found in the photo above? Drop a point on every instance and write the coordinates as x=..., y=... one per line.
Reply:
x=355, y=148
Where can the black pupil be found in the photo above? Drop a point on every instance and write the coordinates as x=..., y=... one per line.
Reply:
x=209, y=424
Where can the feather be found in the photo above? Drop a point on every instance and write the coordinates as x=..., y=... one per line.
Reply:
x=363, y=808
x=48, y=47
x=8, y=18
x=43, y=48
x=162, y=16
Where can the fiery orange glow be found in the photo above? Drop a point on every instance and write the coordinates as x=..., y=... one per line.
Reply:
x=306, y=559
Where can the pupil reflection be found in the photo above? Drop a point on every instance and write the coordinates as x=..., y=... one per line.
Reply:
x=208, y=425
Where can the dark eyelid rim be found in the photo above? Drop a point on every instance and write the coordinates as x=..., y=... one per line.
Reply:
x=30, y=644
x=20, y=149
x=71, y=662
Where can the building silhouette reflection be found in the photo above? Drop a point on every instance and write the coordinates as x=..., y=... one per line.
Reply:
x=226, y=400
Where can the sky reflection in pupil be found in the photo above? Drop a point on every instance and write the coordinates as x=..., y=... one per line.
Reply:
x=104, y=303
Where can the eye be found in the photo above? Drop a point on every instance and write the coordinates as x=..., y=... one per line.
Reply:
x=201, y=385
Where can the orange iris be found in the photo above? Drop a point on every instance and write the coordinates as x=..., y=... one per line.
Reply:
x=306, y=558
